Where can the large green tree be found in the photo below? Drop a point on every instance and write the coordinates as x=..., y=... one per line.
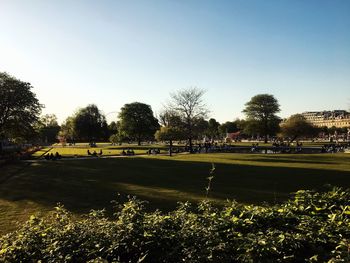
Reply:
x=227, y=127
x=200, y=130
x=19, y=108
x=213, y=128
x=67, y=131
x=296, y=126
x=90, y=124
x=261, y=115
x=171, y=129
x=112, y=128
x=48, y=128
x=137, y=121
x=189, y=105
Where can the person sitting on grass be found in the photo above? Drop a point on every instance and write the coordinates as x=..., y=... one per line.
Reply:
x=253, y=149
x=88, y=152
x=130, y=152
x=123, y=153
x=100, y=153
x=94, y=153
x=47, y=156
x=58, y=156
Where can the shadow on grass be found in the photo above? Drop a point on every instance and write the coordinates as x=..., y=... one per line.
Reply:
x=322, y=159
x=285, y=160
x=92, y=184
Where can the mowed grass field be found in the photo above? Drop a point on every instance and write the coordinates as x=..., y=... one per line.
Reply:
x=81, y=185
x=80, y=149
x=107, y=149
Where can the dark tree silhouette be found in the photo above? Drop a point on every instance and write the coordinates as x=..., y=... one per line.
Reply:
x=19, y=107
x=137, y=121
x=261, y=115
x=90, y=124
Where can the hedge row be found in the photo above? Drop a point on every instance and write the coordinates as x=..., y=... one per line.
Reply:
x=311, y=227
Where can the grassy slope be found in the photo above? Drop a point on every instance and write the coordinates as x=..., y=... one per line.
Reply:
x=85, y=184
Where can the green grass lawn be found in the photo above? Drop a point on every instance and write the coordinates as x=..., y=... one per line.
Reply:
x=80, y=149
x=82, y=185
x=107, y=149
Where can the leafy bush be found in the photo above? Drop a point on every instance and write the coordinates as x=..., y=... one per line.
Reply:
x=311, y=227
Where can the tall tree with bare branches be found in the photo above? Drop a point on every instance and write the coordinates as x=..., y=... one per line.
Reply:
x=189, y=105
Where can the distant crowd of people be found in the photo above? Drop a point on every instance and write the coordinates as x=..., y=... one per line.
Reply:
x=334, y=148
x=285, y=147
x=200, y=147
x=211, y=147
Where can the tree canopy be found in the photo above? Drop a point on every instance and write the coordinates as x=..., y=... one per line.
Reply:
x=19, y=107
x=261, y=115
x=228, y=127
x=48, y=128
x=137, y=121
x=171, y=128
x=67, y=131
x=90, y=124
x=295, y=126
x=112, y=128
x=213, y=128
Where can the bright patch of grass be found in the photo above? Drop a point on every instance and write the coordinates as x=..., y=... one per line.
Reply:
x=107, y=150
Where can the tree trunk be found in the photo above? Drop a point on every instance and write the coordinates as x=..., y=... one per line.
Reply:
x=190, y=143
x=293, y=138
x=190, y=136
x=171, y=147
x=139, y=141
x=265, y=130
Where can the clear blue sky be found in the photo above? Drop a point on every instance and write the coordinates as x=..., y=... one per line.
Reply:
x=116, y=52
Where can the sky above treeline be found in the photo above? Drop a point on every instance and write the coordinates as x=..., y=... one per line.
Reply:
x=114, y=52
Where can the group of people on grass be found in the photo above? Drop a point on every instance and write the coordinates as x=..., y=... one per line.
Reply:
x=153, y=151
x=94, y=153
x=128, y=152
x=53, y=157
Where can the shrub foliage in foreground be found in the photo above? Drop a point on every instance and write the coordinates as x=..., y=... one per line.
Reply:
x=311, y=227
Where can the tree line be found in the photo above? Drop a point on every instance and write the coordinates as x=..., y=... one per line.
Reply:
x=185, y=117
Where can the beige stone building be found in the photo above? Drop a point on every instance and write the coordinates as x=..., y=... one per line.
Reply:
x=336, y=118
